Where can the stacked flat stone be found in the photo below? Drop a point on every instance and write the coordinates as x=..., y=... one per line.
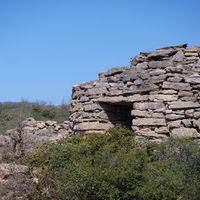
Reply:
x=162, y=89
x=30, y=135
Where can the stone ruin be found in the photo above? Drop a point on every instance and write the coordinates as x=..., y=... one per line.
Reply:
x=157, y=96
x=29, y=135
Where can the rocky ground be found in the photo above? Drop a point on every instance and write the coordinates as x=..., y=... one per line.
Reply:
x=16, y=180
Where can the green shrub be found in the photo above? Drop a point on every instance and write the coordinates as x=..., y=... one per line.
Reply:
x=112, y=166
x=12, y=114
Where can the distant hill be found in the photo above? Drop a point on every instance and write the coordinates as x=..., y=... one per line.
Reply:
x=11, y=113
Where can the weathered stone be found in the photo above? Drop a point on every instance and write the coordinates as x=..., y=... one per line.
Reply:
x=159, y=64
x=139, y=113
x=145, y=88
x=193, y=49
x=118, y=99
x=148, y=105
x=183, y=105
x=196, y=114
x=116, y=70
x=76, y=107
x=193, y=99
x=93, y=126
x=157, y=79
x=84, y=99
x=158, y=115
x=162, y=97
x=168, y=92
x=177, y=69
x=138, y=59
x=86, y=85
x=168, y=111
x=174, y=124
x=143, y=65
x=198, y=63
x=93, y=115
x=162, y=130
x=41, y=125
x=178, y=112
x=30, y=136
x=175, y=79
x=150, y=134
x=160, y=53
x=113, y=71
x=185, y=93
x=138, y=82
x=174, y=117
x=160, y=110
x=191, y=54
x=194, y=58
x=193, y=79
x=176, y=86
x=96, y=91
x=92, y=107
x=50, y=123
x=196, y=123
x=189, y=113
x=157, y=72
x=184, y=132
x=187, y=123
x=197, y=86
x=178, y=57
x=149, y=122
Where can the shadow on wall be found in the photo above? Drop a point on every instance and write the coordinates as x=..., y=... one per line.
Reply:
x=118, y=113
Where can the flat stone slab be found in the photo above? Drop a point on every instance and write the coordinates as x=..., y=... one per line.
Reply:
x=183, y=105
x=162, y=97
x=148, y=105
x=117, y=99
x=93, y=126
x=176, y=86
x=149, y=122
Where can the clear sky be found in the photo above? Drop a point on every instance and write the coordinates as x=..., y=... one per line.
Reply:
x=46, y=46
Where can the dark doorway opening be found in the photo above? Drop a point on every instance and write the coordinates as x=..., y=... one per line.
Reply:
x=119, y=113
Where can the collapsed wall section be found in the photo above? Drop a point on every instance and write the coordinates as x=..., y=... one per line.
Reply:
x=157, y=96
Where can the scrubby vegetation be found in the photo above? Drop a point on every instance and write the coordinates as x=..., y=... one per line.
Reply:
x=12, y=113
x=113, y=166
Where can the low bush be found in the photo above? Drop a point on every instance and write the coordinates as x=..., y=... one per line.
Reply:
x=112, y=166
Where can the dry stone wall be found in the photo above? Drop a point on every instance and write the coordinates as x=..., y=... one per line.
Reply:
x=157, y=96
x=29, y=135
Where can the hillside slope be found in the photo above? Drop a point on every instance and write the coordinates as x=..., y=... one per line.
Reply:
x=11, y=113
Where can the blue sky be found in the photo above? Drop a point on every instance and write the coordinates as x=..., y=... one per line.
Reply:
x=46, y=46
